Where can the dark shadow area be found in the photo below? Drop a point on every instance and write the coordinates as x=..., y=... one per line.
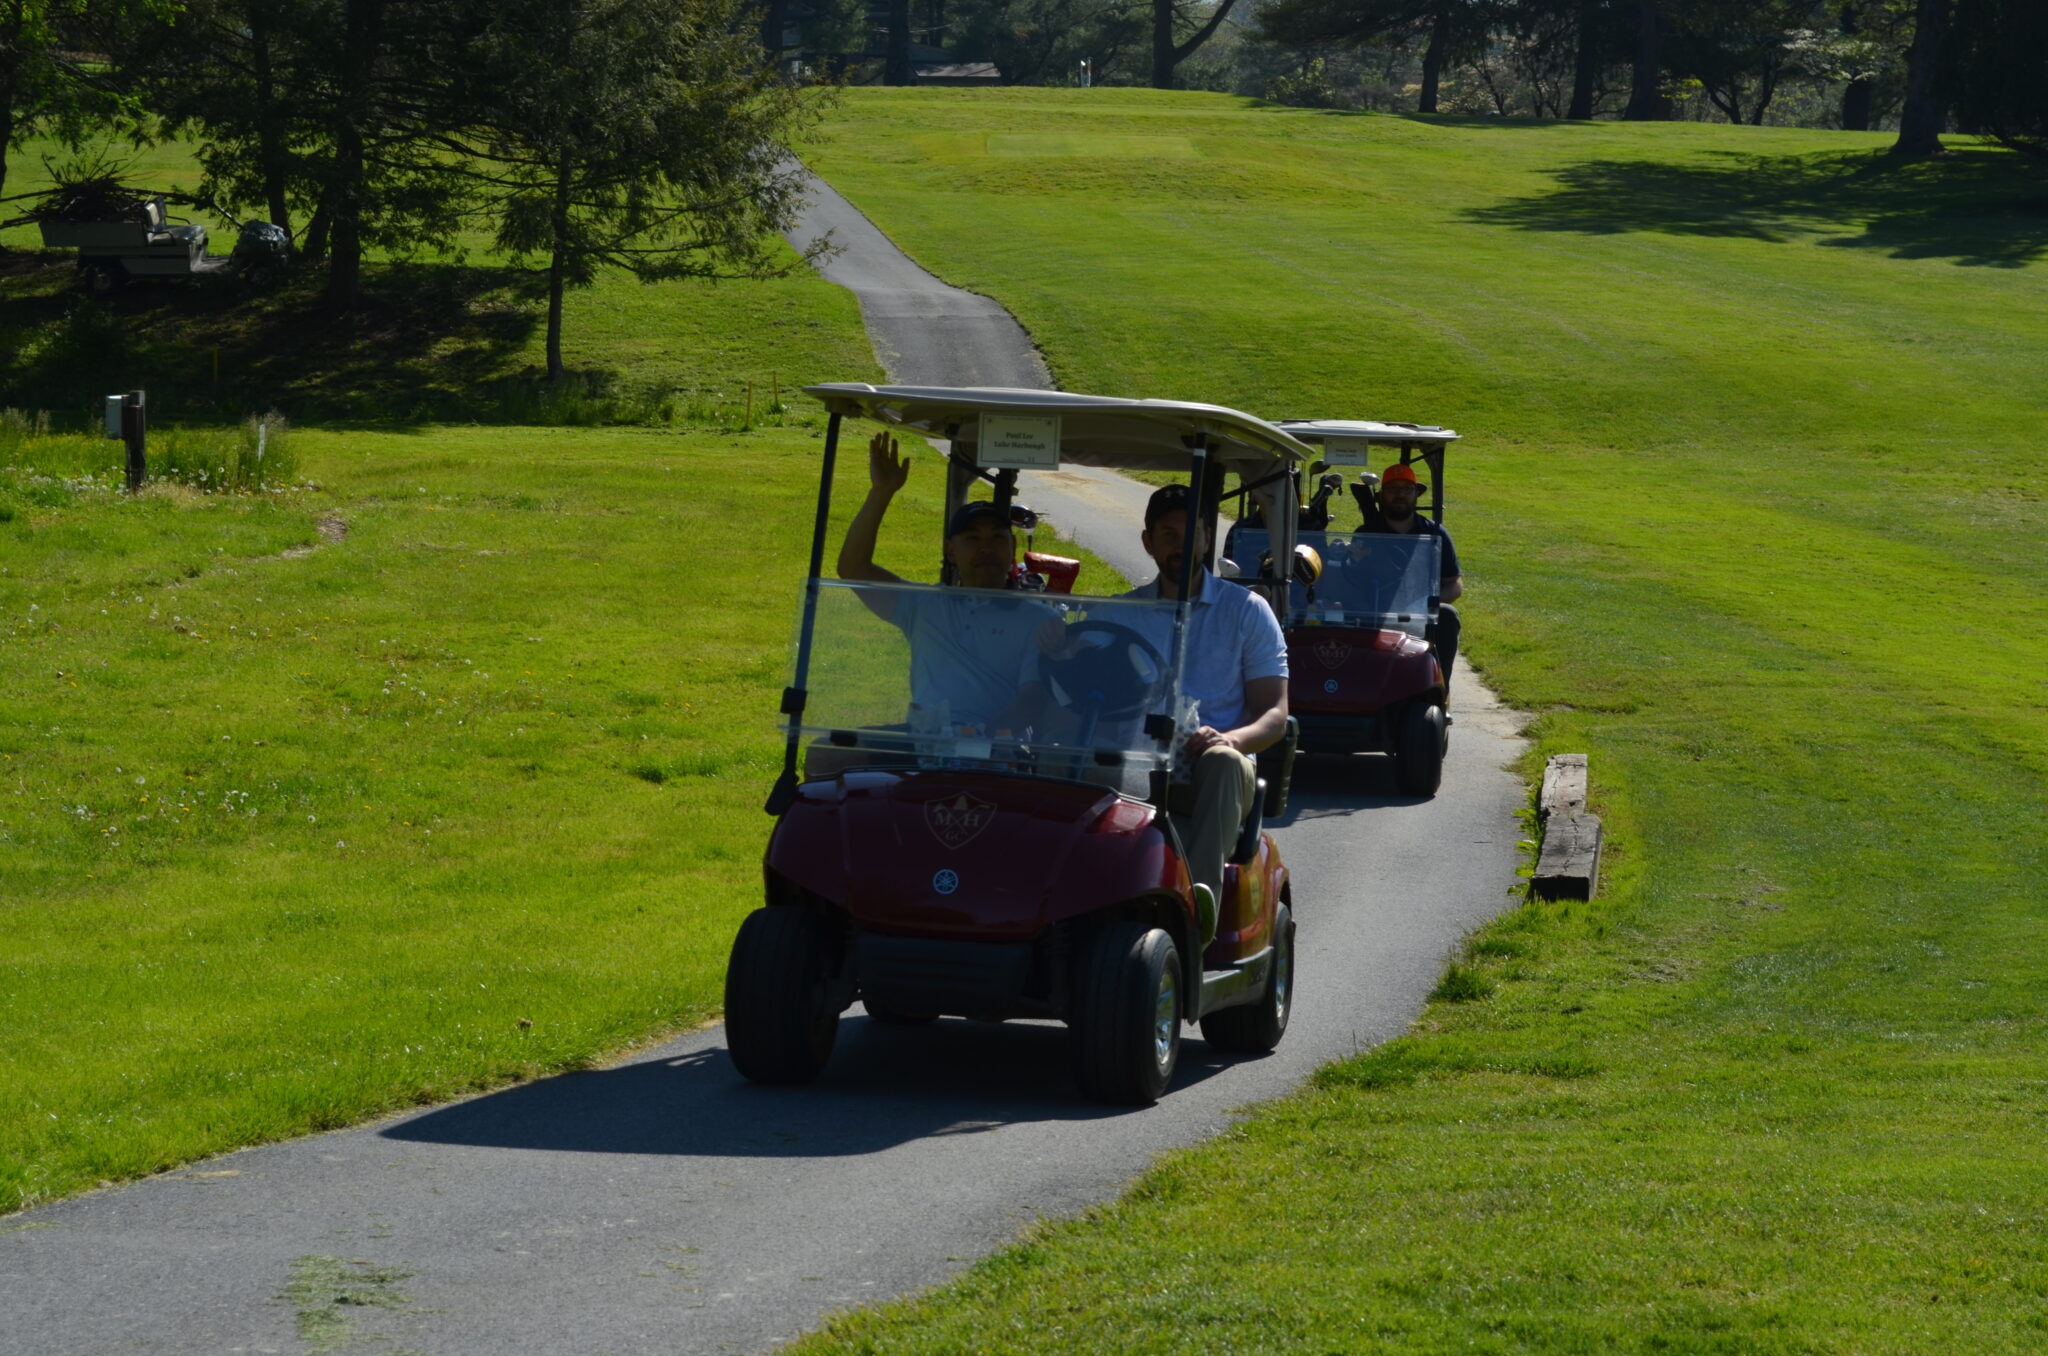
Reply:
x=1340, y=785
x=431, y=343
x=1461, y=121
x=1986, y=208
x=884, y=1086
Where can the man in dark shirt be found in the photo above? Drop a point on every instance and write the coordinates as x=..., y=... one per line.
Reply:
x=1399, y=489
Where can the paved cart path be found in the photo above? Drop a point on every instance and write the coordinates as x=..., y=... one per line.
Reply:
x=663, y=1205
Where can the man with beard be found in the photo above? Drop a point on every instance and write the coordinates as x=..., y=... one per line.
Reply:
x=1235, y=672
x=1399, y=489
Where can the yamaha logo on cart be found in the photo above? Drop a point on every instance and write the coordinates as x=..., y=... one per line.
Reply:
x=946, y=882
x=956, y=820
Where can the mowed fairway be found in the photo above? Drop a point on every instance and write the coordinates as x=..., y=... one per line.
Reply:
x=1751, y=510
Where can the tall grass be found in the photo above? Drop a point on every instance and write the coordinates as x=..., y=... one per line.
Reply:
x=254, y=456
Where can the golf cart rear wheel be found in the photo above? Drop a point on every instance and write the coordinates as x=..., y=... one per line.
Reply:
x=1258, y=1028
x=1419, y=749
x=1127, y=1015
x=780, y=1019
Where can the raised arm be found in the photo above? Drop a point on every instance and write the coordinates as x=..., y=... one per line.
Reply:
x=887, y=473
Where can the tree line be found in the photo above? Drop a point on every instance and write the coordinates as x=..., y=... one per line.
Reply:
x=649, y=135
x=1976, y=65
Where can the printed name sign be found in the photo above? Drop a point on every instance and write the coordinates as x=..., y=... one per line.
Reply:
x=1347, y=452
x=1027, y=442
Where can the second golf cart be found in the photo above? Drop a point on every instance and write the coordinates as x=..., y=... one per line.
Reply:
x=1363, y=663
x=988, y=835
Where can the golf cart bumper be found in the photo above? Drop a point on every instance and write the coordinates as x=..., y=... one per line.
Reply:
x=962, y=979
x=1333, y=732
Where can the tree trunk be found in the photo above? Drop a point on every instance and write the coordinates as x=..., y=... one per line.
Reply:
x=6, y=132
x=1585, y=66
x=558, y=265
x=774, y=18
x=1856, y=106
x=1920, y=121
x=315, y=248
x=270, y=135
x=897, y=68
x=1646, y=96
x=10, y=85
x=1856, y=98
x=1433, y=59
x=1763, y=96
x=345, y=198
x=1162, y=44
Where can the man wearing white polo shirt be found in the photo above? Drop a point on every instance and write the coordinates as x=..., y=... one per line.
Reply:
x=1235, y=672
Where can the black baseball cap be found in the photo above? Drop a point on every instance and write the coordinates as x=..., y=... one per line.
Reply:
x=1165, y=500
x=964, y=517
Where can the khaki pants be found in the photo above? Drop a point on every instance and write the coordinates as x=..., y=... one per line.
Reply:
x=1211, y=813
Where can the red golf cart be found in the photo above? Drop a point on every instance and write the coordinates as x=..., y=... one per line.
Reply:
x=973, y=815
x=1362, y=664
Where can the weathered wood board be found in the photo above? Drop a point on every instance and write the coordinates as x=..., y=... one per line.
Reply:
x=1569, y=866
x=1564, y=786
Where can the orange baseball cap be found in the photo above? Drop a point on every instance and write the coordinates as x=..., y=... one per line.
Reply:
x=1399, y=474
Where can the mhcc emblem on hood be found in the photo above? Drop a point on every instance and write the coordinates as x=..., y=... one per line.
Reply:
x=955, y=820
x=1332, y=653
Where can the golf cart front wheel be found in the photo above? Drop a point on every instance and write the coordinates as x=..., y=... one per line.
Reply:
x=1419, y=749
x=1255, y=1029
x=780, y=1018
x=1128, y=1015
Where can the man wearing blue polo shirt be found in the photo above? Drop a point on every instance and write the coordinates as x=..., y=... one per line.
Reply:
x=1236, y=673
x=973, y=656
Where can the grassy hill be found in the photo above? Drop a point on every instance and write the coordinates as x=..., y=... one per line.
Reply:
x=1751, y=509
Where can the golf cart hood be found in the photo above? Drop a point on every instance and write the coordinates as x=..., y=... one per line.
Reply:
x=1107, y=431
x=968, y=854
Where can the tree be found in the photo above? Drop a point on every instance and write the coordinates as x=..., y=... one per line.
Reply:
x=1921, y=119
x=1646, y=85
x=1455, y=29
x=1738, y=49
x=44, y=85
x=1168, y=18
x=234, y=71
x=646, y=135
x=1995, y=68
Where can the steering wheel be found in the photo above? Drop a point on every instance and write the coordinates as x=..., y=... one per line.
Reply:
x=1111, y=680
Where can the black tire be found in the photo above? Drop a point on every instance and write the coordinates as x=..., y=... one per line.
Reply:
x=1127, y=1015
x=1419, y=749
x=1258, y=1027
x=889, y=1016
x=780, y=1018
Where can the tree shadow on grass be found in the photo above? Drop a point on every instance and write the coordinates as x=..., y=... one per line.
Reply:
x=1977, y=207
x=432, y=342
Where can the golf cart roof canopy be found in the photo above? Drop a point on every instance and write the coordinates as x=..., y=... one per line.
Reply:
x=1366, y=430
x=1145, y=435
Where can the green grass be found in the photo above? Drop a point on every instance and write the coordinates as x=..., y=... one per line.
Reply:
x=1750, y=508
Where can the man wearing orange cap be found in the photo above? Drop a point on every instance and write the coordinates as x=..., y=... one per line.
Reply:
x=1399, y=489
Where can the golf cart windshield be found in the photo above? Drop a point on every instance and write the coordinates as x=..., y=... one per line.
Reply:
x=1369, y=578
x=913, y=675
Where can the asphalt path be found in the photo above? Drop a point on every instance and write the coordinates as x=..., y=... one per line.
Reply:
x=665, y=1205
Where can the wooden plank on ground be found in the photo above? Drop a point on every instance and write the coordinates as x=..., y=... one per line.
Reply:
x=1569, y=866
x=1564, y=786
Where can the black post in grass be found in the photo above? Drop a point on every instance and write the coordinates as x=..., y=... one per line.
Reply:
x=135, y=433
